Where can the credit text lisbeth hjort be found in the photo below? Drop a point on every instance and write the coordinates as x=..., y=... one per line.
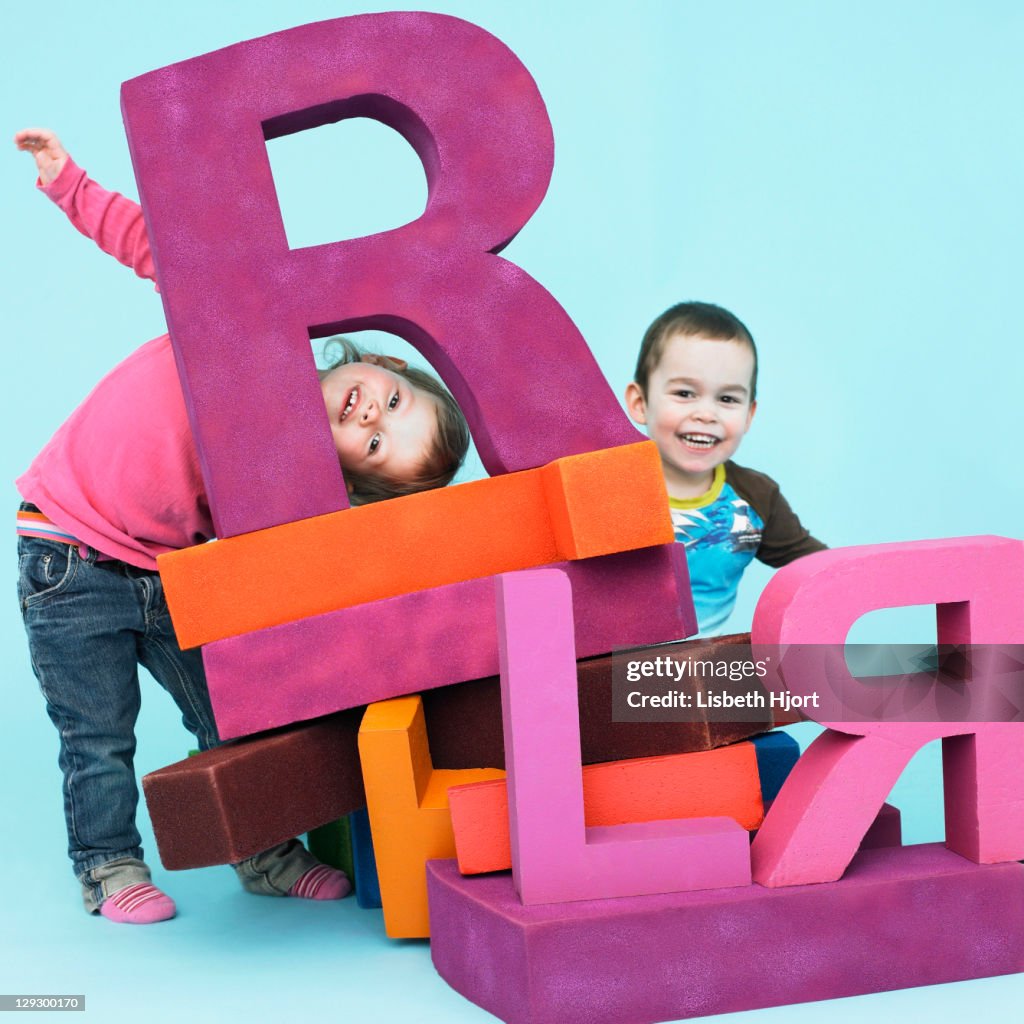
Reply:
x=705, y=670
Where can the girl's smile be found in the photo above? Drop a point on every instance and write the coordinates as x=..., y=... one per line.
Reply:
x=350, y=404
x=382, y=425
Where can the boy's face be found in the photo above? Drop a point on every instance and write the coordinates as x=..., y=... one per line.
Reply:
x=383, y=425
x=697, y=408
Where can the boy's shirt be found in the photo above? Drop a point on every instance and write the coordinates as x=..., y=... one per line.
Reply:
x=742, y=515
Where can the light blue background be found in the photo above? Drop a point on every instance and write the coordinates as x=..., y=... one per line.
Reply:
x=844, y=177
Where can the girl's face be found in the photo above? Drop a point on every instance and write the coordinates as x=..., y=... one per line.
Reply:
x=382, y=425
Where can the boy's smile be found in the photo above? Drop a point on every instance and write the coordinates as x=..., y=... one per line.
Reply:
x=700, y=442
x=697, y=408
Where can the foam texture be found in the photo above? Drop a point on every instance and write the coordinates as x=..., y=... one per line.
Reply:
x=712, y=783
x=465, y=721
x=447, y=635
x=560, y=512
x=407, y=801
x=236, y=800
x=555, y=856
x=900, y=918
x=837, y=787
x=885, y=830
x=464, y=725
x=482, y=322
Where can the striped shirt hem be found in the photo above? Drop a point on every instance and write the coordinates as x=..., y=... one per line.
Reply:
x=35, y=524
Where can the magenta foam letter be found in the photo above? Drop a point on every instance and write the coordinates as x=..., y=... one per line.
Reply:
x=241, y=305
x=901, y=918
x=555, y=857
x=838, y=786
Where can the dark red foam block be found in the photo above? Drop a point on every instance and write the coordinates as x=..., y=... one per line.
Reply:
x=464, y=721
x=229, y=803
x=900, y=918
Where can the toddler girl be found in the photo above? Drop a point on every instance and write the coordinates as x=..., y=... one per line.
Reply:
x=119, y=484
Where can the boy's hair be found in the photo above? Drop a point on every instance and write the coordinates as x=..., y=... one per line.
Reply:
x=691, y=319
x=446, y=454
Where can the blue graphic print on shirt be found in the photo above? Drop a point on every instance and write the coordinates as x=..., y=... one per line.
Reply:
x=721, y=538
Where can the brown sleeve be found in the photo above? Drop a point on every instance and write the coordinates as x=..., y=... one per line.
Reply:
x=783, y=538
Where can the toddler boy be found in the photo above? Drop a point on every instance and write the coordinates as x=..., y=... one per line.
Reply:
x=695, y=390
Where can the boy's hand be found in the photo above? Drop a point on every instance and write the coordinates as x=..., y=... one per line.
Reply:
x=50, y=155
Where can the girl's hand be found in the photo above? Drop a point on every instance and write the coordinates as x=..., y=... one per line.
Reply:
x=50, y=155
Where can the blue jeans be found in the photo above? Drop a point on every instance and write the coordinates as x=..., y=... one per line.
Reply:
x=90, y=624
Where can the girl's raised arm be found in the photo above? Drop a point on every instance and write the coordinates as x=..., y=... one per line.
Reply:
x=113, y=222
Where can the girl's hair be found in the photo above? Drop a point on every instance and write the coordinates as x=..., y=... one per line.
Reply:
x=450, y=443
